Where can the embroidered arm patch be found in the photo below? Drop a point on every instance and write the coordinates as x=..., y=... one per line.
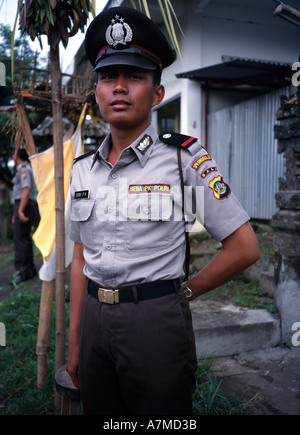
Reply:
x=220, y=189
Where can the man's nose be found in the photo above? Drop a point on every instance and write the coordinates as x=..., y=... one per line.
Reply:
x=121, y=85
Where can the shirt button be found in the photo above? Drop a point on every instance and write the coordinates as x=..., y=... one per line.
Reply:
x=114, y=175
x=108, y=247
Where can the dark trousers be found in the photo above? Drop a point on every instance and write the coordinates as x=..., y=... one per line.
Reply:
x=22, y=237
x=137, y=358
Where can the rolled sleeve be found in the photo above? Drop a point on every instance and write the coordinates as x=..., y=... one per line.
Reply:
x=74, y=225
x=26, y=179
x=74, y=231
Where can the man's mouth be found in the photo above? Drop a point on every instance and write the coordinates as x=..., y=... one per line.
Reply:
x=120, y=104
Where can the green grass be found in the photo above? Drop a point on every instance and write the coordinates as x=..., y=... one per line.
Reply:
x=208, y=398
x=18, y=366
x=18, y=361
x=244, y=292
x=247, y=293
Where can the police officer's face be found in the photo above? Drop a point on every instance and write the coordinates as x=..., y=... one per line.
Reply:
x=125, y=96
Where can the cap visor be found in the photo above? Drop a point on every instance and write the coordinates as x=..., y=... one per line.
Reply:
x=125, y=59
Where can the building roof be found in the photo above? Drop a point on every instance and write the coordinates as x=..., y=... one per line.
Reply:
x=240, y=73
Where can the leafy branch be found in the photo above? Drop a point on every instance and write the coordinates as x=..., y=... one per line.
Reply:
x=58, y=19
x=169, y=16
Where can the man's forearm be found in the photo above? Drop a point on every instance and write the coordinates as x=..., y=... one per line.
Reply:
x=24, y=199
x=77, y=289
x=239, y=251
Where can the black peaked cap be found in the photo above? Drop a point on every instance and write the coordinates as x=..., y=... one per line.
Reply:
x=126, y=36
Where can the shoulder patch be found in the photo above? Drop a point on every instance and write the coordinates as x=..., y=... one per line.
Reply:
x=178, y=140
x=83, y=156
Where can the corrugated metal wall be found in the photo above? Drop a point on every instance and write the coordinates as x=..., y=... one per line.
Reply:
x=241, y=140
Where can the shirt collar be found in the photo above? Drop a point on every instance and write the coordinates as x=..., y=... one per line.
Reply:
x=102, y=150
x=142, y=146
x=23, y=164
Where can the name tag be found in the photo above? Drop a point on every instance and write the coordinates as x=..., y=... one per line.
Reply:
x=80, y=194
x=142, y=188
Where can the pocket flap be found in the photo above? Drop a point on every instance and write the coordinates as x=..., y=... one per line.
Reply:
x=82, y=209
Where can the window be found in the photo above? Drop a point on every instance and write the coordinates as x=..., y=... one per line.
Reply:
x=168, y=117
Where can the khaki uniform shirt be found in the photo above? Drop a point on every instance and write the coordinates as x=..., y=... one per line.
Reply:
x=128, y=216
x=23, y=178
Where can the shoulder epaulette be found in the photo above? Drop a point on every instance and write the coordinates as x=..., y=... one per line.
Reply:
x=176, y=139
x=89, y=153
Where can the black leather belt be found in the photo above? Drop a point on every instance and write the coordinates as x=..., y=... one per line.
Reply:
x=133, y=293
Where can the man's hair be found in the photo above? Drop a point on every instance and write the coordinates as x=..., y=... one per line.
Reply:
x=157, y=76
x=22, y=154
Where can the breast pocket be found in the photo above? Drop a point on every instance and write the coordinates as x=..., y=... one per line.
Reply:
x=82, y=213
x=148, y=225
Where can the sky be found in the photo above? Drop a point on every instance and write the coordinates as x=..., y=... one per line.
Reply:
x=8, y=10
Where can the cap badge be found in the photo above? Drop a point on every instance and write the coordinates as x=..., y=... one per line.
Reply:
x=118, y=32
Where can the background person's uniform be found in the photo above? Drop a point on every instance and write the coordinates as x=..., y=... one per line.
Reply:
x=24, y=261
x=139, y=357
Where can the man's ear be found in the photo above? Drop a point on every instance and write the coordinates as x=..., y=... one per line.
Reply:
x=159, y=95
x=95, y=92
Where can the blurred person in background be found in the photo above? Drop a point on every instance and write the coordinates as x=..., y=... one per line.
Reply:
x=24, y=215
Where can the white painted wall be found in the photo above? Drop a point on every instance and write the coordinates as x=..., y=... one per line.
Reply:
x=214, y=28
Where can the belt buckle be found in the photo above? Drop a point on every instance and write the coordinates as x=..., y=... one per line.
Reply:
x=108, y=296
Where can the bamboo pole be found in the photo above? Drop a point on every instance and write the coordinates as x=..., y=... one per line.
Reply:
x=43, y=338
x=26, y=130
x=47, y=287
x=59, y=207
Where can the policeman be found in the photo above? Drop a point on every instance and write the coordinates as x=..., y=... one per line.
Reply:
x=131, y=342
x=23, y=217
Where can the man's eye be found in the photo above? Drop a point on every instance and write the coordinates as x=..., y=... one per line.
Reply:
x=136, y=76
x=106, y=76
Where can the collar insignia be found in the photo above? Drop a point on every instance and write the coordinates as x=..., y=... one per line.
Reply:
x=144, y=144
x=118, y=32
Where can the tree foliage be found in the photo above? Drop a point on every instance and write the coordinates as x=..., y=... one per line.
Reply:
x=25, y=55
x=58, y=19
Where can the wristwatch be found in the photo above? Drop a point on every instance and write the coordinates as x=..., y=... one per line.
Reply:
x=188, y=292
